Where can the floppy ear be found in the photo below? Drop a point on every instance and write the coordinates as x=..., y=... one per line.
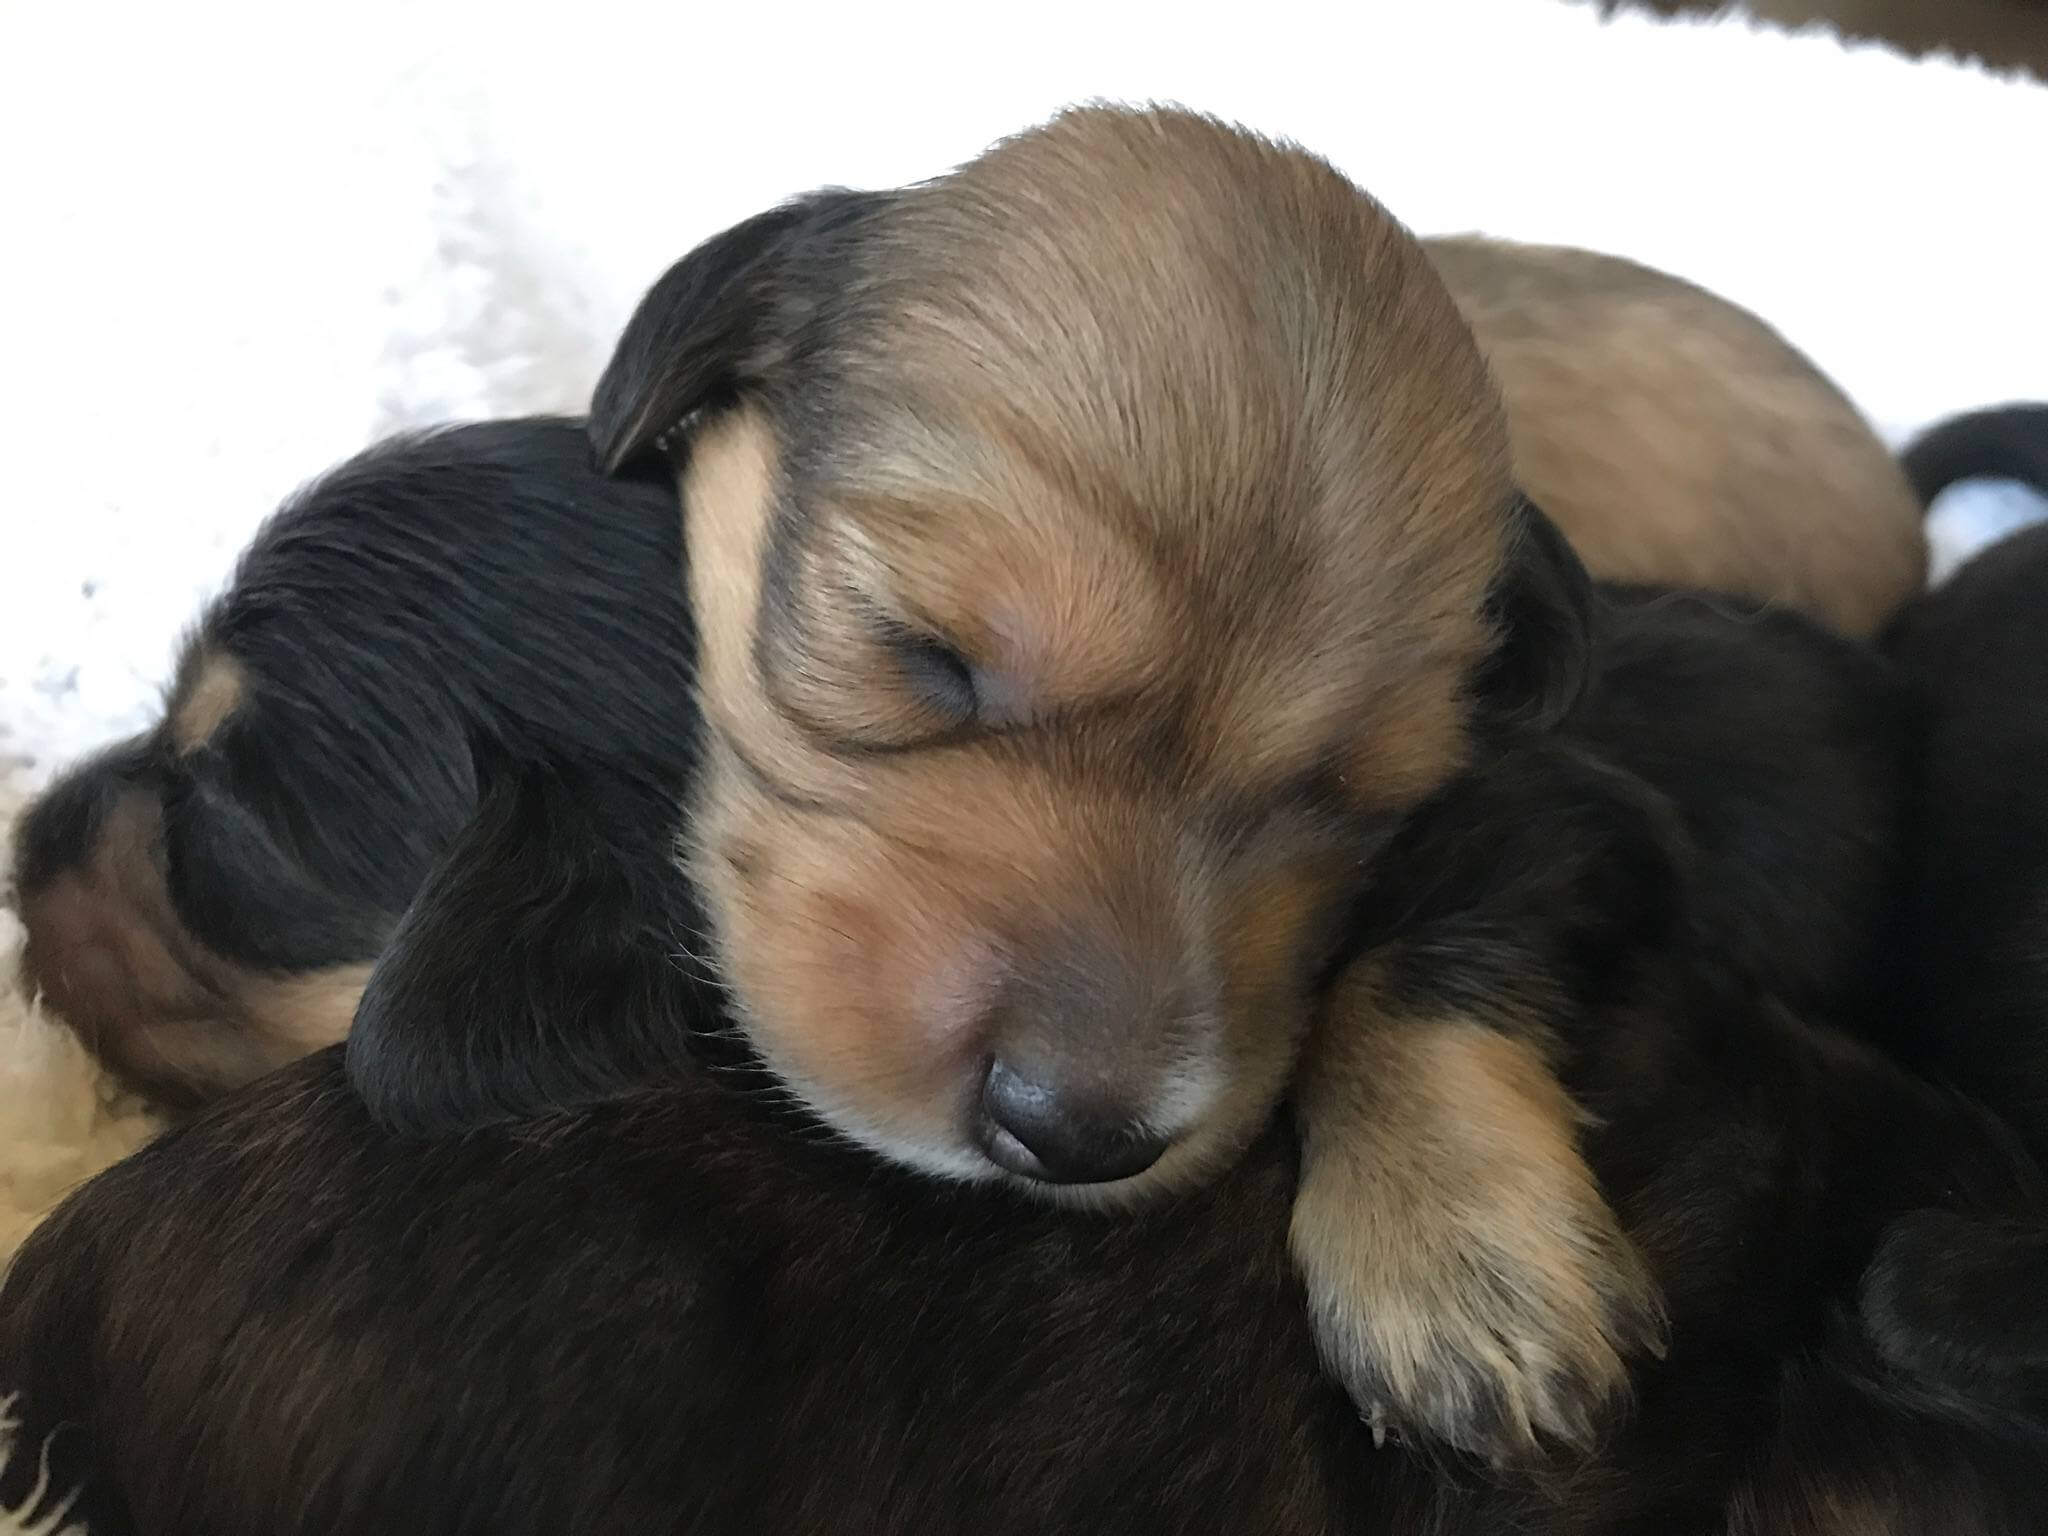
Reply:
x=1542, y=611
x=542, y=964
x=721, y=318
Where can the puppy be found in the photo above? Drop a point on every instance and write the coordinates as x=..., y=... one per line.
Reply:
x=205, y=902
x=1679, y=440
x=1096, y=554
x=686, y=1311
x=1947, y=1299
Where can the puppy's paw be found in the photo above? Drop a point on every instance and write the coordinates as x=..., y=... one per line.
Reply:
x=1468, y=1283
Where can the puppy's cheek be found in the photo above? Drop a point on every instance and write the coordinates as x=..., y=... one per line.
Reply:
x=1395, y=769
x=864, y=986
x=1267, y=937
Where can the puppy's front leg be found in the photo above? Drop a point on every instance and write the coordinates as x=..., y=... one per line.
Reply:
x=1467, y=1280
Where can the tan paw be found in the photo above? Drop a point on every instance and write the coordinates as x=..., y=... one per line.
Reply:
x=1467, y=1281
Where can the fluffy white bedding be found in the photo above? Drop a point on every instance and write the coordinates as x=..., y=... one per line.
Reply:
x=243, y=243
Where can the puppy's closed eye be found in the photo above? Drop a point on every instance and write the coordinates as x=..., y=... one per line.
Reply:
x=945, y=681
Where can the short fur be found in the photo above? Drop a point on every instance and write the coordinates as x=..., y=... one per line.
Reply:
x=1677, y=439
x=690, y=1311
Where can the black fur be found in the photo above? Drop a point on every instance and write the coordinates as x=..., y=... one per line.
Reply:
x=1958, y=1302
x=545, y=961
x=2008, y=442
x=746, y=306
x=1541, y=608
x=686, y=1311
x=444, y=612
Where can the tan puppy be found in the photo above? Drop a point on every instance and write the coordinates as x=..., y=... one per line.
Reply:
x=1678, y=440
x=1094, y=553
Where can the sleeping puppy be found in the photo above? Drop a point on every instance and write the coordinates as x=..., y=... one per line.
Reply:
x=1679, y=440
x=1948, y=1300
x=204, y=902
x=1096, y=553
x=688, y=1311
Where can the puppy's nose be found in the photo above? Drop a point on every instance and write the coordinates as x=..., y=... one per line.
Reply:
x=1034, y=1127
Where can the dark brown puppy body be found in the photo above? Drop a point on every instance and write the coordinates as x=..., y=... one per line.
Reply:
x=1960, y=1300
x=688, y=1312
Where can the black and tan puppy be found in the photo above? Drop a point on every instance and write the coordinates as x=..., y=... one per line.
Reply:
x=204, y=902
x=1958, y=1299
x=685, y=1311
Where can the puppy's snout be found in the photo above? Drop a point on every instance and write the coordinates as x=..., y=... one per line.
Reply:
x=1095, y=1056
x=1039, y=1127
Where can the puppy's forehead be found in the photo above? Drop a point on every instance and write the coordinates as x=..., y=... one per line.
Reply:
x=1176, y=328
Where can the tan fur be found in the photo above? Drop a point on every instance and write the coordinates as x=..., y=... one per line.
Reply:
x=1175, y=436
x=106, y=951
x=1677, y=439
x=207, y=695
x=1463, y=1267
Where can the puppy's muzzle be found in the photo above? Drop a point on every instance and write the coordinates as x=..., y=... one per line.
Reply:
x=1093, y=1062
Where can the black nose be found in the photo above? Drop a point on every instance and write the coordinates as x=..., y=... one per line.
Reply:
x=1031, y=1127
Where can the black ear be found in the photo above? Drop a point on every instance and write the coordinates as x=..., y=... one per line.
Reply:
x=544, y=963
x=721, y=317
x=1542, y=612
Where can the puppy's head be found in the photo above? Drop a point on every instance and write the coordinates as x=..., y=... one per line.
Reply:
x=171, y=921
x=1094, y=553
x=205, y=901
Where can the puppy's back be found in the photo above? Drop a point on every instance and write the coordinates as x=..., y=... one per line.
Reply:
x=1679, y=440
x=670, y=1315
